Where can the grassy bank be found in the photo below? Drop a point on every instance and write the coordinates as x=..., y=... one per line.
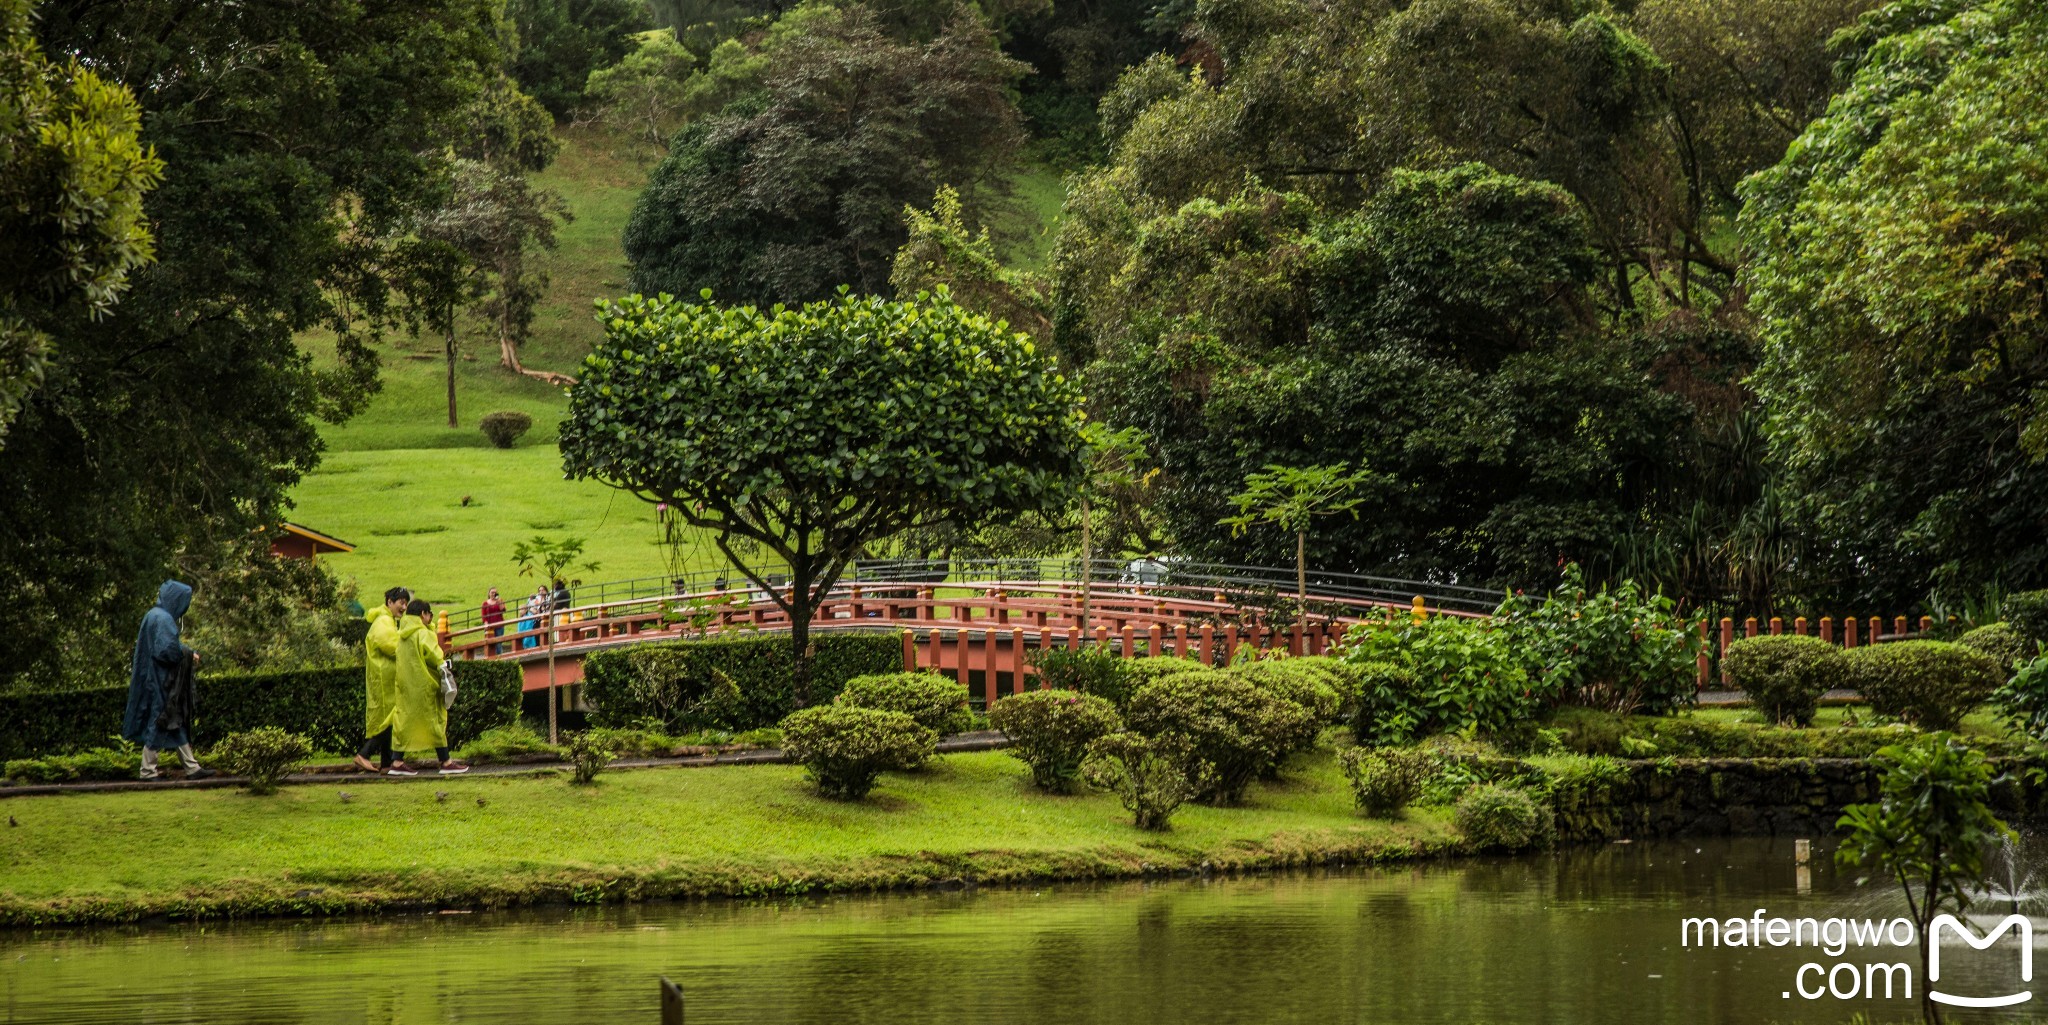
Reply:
x=737, y=830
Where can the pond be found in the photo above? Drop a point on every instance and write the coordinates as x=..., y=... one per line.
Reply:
x=1581, y=937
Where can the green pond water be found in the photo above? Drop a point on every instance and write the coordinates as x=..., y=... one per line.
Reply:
x=1582, y=937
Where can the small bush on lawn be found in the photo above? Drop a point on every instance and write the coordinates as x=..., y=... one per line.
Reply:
x=2023, y=699
x=2027, y=612
x=1237, y=727
x=1785, y=676
x=1931, y=684
x=1619, y=650
x=1466, y=672
x=937, y=703
x=1050, y=731
x=845, y=748
x=1495, y=816
x=1093, y=669
x=262, y=756
x=505, y=426
x=99, y=763
x=1385, y=779
x=502, y=745
x=590, y=751
x=1152, y=776
x=2004, y=644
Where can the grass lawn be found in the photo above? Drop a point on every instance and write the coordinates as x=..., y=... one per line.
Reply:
x=639, y=834
x=393, y=479
x=1981, y=723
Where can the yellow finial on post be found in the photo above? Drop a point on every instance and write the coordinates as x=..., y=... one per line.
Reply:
x=1421, y=613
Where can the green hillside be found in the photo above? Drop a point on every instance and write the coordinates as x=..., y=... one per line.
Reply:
x=394, y=479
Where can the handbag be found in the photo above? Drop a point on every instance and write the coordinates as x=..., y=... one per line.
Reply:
x=448, y=683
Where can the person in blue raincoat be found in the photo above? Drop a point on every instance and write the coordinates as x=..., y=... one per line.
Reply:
x=152, y=678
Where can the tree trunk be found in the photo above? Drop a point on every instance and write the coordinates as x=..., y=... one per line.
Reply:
x=1301, y=571
x=1087, y=565
x=802, y=604
x=452, y=422
x=508, y=357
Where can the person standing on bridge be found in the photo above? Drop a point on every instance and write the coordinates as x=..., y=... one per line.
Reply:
x=160, y=685
x=380, y=682
x=421, y=723
x=494, y=617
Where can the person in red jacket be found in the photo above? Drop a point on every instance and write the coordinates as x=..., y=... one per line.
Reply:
x=494, y=616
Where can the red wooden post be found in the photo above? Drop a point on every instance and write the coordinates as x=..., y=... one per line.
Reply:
x=1727, y=638
x=1155, y=640
x=1102, y=637
x=1926, y=624
x=1749, y=627
x=1180, y=640
x=1002, y=606
x=1229, y=644
x=988, y=668
x=924, y=603
x=1799, y=626
x=909, y=652
x=1295, y=641
x=1848, y=631
x=1130, y=639
x=1899, y=625
x=1827, y=629
x=1208, y=644
x=933, y=663
x=1777, y=625
x=1876, y=629
x=1017, y=660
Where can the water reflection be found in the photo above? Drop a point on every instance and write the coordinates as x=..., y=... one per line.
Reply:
x=1585, y=937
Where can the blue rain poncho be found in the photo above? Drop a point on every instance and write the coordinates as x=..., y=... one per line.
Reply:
x=158, y=653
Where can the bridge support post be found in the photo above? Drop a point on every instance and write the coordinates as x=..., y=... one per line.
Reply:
x=909, y=652
x=1017, y=664
x=1155, y=640
x=1208, y=644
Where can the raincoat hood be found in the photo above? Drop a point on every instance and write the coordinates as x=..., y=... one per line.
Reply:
x=174, y=598
x=412, y=625
x=376, y=613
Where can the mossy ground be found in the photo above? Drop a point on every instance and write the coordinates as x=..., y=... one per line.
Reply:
x=737, y=830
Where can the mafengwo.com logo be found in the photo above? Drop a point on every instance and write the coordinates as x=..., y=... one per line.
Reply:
x=1857, y=979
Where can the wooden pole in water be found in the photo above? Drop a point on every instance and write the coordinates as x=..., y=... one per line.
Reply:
x=671, y=1002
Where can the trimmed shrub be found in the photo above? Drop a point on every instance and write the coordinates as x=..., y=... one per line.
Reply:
x=845, y=748
x=1931, y=684
x=99, y=763
x=1050, y=731
x=262, y=756
x=1384, y=780
x=1237, y=727
x=1467, y=673
x=2005, y=645
x=589, y=752
x=937, y=703
x=1619, y=650
x=323, y=705
x=1152, y=776
x=726, y=683
x=505, y=426
x=1785, y=676
x=1309, y=683
x=2027, y=612
x=1093, y=669
x=1495, y=816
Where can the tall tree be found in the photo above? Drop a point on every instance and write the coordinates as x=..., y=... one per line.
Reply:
x=295, y=136
x=1900, y=273
x=814, y=431
x=562, y=41
x=801, y=187
x=72, y=177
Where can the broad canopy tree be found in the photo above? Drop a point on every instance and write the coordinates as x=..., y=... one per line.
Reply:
x=814, y=431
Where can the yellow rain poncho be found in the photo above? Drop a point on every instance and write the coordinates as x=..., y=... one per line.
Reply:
x=380, y=671
x=421, y=724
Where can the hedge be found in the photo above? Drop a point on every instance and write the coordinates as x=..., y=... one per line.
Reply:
x=679, y=685
x=326, y=705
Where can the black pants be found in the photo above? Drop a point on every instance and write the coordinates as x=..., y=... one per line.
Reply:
x=379, y=745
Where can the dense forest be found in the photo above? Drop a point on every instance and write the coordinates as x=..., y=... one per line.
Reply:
x=1741, y=299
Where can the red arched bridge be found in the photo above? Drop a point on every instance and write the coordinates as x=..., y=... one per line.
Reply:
x=976, y=620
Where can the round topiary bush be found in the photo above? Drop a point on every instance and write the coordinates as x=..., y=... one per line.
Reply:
x=505, y=426
x=1931, y=684
x=1785, y=676
x=844, y=747
x=1151, y=776
x=1050, y=730
x=1236, y=726
x=263, y=757
x=1495, y=816
x=1303, y=681
x=938, y=703
x=1385, y=779
x=2006, y=645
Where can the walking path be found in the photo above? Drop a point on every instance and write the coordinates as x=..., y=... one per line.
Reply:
x=345, y=772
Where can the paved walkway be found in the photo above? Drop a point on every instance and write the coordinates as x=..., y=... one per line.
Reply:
x=345, y=772
x=1723, y=698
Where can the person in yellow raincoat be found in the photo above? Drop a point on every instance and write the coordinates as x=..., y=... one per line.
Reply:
x=421, y=722
x=380, y=680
